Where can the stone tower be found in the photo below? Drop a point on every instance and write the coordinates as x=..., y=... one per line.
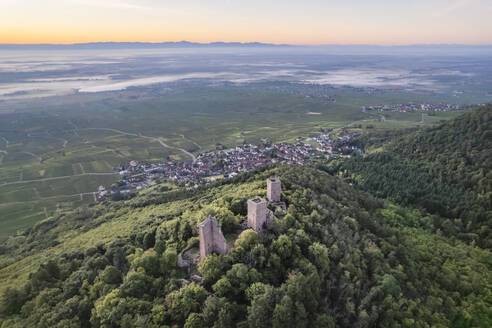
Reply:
x=211, y=238
x=274, y=188
x=257, y=213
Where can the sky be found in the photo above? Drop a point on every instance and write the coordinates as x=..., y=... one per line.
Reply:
x=384, y=22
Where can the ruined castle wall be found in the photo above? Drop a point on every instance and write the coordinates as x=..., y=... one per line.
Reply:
x=257, y=211
x=211, y=238
x=206, y=238
x=274, y=189
x=220, y=244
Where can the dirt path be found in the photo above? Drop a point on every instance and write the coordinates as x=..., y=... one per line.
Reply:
x=162, y=143
x=33, y=155
x=36, y=192
x=64, y=141
x=6, y=141
x=75, y=128
x=193, y=142
x=346, y=126
x=82, y=168
x=56, y=178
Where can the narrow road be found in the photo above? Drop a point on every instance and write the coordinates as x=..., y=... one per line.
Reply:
x=3, y=153
x=193, y=142
x=81, y=195
x=33, y=155
x=82, y=168
x=6, y=141
x=64, y=141
x=346, y=126
x=162, y=143
x=56, y=178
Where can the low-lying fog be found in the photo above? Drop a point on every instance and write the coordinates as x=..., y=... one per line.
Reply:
x=39, y=73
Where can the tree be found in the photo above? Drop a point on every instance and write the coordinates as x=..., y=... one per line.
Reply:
x=246, y=239
x=390, y=285
x=169, y=260
x=320, y=256
x=212, y=267
x=111, y=275
x=324, y=321
x=12, y=301
x=222, y=287
x=283, y=247
x=136, y=284
x=261, y=309
x=194, y=320
x=184, y=301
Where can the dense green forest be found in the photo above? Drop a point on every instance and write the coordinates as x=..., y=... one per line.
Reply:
x=445, y=170
x=413, y=255
x=339, y=257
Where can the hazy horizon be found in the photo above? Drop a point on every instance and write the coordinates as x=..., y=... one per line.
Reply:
x=251, y=43
x=308, y=23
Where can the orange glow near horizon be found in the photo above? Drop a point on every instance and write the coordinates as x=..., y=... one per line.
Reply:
x=272, y=21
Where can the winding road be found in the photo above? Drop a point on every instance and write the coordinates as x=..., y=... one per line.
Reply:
x=185, y=138
x=162, y=143
x=33, y=155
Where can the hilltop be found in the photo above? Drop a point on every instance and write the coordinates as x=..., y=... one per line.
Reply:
x=338, y=257
x=444, y=170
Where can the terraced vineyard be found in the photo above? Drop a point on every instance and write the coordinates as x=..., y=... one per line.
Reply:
x=54, y=155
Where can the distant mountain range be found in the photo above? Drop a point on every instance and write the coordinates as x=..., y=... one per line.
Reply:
x=130, y=45
x=435, y=49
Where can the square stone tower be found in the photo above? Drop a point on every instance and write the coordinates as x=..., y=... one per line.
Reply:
x=257, y=213
x=274, y=188
x=211, y=238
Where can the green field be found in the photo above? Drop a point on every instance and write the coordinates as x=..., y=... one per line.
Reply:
x=71, y=141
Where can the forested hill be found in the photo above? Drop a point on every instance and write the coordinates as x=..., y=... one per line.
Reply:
x=446, y=170
x=339, y=257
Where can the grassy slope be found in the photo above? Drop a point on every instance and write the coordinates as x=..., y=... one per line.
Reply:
x=114, y=220
x=100, y=225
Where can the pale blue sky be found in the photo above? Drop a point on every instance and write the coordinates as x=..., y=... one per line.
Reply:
x=287, y=21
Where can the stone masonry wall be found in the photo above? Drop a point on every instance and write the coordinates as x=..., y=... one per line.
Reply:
x=257, y=211
x=211, y=238
x=274, y=189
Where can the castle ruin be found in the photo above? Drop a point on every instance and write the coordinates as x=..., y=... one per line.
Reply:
x=257, y=213
x=211, y=238
x=274, y=188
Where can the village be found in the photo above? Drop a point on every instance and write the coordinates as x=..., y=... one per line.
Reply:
x=411, y=107
x=223, y=164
